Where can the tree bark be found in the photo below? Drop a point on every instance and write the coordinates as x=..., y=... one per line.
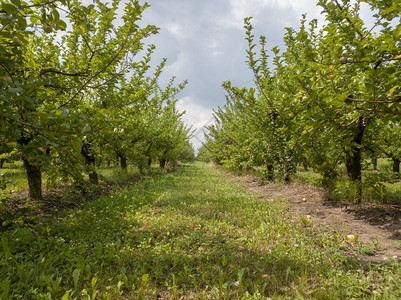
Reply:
x=90, y=162
x=396, y=165
x=162, y=163
x=288, y=168
x=353, y=159
x=93, y=178
x=2, y=161
x=269, y=172
x=123, y=159
x=163, y=160
x=375, y=164
x=148, y=154
x=305, y=164
x=34, y=175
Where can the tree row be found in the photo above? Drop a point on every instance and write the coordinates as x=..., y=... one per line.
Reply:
x=77, y=89
x=330, y=99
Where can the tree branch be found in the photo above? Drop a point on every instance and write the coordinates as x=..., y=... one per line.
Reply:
x=57, y=87
x=97, y=73
x=349, y=20
x=394, y=100
x=42, y=4
x=389, y=112
x=36, y=127
x=51, y=70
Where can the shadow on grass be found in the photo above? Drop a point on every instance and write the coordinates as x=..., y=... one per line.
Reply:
x=386, y=216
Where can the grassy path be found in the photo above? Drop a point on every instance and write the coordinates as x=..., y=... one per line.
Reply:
x=191, y=233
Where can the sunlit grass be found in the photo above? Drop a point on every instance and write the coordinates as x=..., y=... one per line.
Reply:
x=117, y=174
x=378, y=186
x=312, y=178
x=15, y=173
x=17, y=178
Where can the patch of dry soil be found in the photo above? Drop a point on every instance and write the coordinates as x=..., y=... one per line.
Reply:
x=373, y=224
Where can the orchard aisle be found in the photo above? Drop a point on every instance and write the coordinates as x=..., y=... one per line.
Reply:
x=189, y=234
x=376, y=227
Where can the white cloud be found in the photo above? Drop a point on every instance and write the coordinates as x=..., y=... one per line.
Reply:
x=215, y=48
x=239, y=9
x=175, y=29
x=196, y=115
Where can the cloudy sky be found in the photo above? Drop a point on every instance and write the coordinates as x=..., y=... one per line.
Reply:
x=204, y=42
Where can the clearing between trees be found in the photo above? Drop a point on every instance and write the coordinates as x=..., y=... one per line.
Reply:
x=190, y=234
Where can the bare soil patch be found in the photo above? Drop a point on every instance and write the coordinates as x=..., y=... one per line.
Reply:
x=374, y=225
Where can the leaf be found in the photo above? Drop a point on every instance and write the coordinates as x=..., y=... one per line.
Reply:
x=390, y=9
x=18, y=91
x=66, y=295
x=80, y=263
x=93, y=282
x=76, y=145
x=4, y=243
x=9, y=8
x=5, y=286
x=16, y=2
x=56, y=15
x=60, y=25
x=75, y=277
x=391, y=91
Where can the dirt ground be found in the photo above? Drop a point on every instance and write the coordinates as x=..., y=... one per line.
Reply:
x=378, y=225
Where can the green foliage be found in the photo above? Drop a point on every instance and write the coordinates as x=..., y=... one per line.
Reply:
x=203, y=154
x=69, y=99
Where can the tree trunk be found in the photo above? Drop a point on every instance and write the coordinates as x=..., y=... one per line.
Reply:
x=305, y=163
x=269, y=172
x=287, y=177
x=108, y=163
x=93, y=178
x=162, y=163
x=353, y=159
x=396, y=165
x=90, y=162
x=149, y=155
x=123, y=162
x=289, y=167
x=375, y=164
x=2, y=161
x=34, y=175
x=353, y=164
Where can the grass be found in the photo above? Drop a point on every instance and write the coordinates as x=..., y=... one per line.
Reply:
x=378, y=186
x=116, y=174
x=190, y=234
x=18, y=178
x=113, y=175
x=310, y=177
